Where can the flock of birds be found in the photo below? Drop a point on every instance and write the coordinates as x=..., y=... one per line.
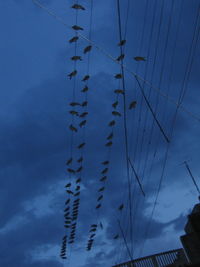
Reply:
x=79, y=110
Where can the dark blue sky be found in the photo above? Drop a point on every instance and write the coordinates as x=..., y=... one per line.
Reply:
x=35, y=136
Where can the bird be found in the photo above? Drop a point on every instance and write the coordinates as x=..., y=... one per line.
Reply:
x=69, y=161
x=73, y=39
x=82, y=123
x=84, y=104
x=83, y=114
x=78, y=180
x=74, y=58
x=70, y=170
x=98, y=206
x=93, y=230
x=110, y=136
x=67, y=209
x=93, y=226
x=92, y=235
x=85, y=89
x=105, y=162
x=140, y=58
x=116, y=113
x=87, y=49
x=69, y=192
x=132, y=104
x=77, y=28
x=111, y=123
x=68, y=185
x=104, y=171
x=121, y=207
x=100, y=197
x=114, y=105
x=101, y=189
x=85, y=78
x=121, y=57
x=73, y=112
x=79, y=169
x=66, y=214
x=81, y=145
x=118, y=76
x=72, y=128
x=77, y=194
x=74, y=104
x=77, y=6
x=77, y=188
x=103, y=178
x=72, y=74
x=119, y=91
x=109, y=143
x=122, y=42
x=80, y=159
x=116, y=236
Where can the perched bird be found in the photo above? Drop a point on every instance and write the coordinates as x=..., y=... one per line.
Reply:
x=74, y=58
x=81, y=145
x=104, y=171
x=84, y=104
x=87, y=49
x=101, y=189
x=71, y=170
x=69, y=161
x=85, y=89
x=85, y=78
x=68, y=185
x=73, y=112
x=93, y=226
x=110, y=136
x=77, y=200
x=78, y=188
x=74, y=39
x=121, y=57
x=79, y=169
x=77, y=28
x=93, y=230
x=132, y=105
x=109, y=143
x=92, y=235
x=67, y=214
x=72, y=74
x=71, y=242
x=78, y=180
x=82, y=123
x=67, y=226
x=111, y=123
x=77, y=194
x=116, y=113
x=140, y=58
x=105, y=162
x=80, y=159
x=99, y=198
x=69, y=192
x=121, y=207
x=114, y=105
x=116, y=237
x=98, y=206
x=72, y=128
x=74, y=104
x=122, y=42
x=83, y=114
x=118, y=76
x=103, y=178
x=77, y=6
x=67, y=209
x=119, y=91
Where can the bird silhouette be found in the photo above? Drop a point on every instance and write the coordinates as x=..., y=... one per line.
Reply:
x=140, y=58
x=73, y=39
x=85, y=89
x=121, y=207
x=75, y=58
x=82, y=123
x=85, y=78
x=105, y=162
x=72, y=74
x=101, y=189
x=69, y=192
x=116, y=113
x=110, y=136
x=77, y=6
x=81, y=145
x=70, y=170
x=99, y=198
x=87, y=49
x=121, y=57
x=118, y=76
x=103, y=178
x=111, y=123
x=72, y=128
x=98, y=206
x=114, y=105
x=104, y=171
x=78, y=188
x=80, y=159
x=68, y=185
x=73, y=104
x=69, y=161
x=73, y=112
x=77, y=28
x=79, y=169
x=116, y=237
x=67, y=201
x=122, y=42
x=132, y=104
x=84, y=104
x=119, y=91
x=78, y=180
x=83, y=114
x=109, y=143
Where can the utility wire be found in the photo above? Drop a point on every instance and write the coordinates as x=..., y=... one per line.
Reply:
x=114, y=59
x=191, y=175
